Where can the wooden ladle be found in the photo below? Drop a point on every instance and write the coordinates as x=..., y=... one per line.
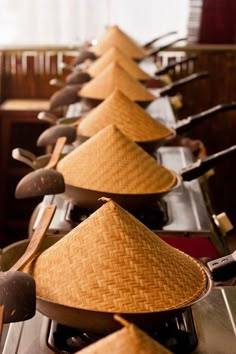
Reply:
x=17, y=289
x=44, y=180
x=50, y=135
x=30, y=159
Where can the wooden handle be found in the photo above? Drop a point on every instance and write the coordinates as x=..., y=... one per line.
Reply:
x=37, y=238
x=191, y=121
x=200, y=167
x=157, y=50
x=56, y=152
x=148, y=44
x=172, y=65
x=1, y=320
x=166, y=90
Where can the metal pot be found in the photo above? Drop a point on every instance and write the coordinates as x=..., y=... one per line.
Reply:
x=87, y=320
x=70, y=94
x=164, y=91
x=89, y=198
x=103, y=322
x=181, y=127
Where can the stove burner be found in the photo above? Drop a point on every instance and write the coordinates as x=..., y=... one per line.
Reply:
x=154, y=217
x=62, y=339
x=178, y=335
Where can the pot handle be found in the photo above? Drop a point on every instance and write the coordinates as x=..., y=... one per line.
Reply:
x=172, y=87
x=223, y=268
x=184, y=124
x=201, y=166
x=148, y=44
x=159, y=49
x=170, y=66
x=24, y=156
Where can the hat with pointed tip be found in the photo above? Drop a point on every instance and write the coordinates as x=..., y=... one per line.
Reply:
x=112, y=262
x=129, y=117
x=114, y=76
x=114, y=54
x=115, y=36
x=110, y=162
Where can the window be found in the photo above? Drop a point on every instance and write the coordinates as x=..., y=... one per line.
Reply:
x=70, y=22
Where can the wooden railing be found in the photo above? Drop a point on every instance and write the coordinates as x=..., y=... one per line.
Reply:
x=26, y=72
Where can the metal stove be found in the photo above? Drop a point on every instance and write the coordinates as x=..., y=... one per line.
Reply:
x=210, y=328
x=186, y=212
x=182, y=219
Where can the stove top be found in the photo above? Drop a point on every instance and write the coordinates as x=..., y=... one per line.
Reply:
x=178, y=335
x=183, y=209
x=209, y=328
x=155, y=217
x=181, y=214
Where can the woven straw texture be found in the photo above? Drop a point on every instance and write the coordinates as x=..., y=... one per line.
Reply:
x=114, y=36
x=114, y=76
x=116, y=55
x=127, y=340
x=112, y=262
x=129, y=117
x=111, y=162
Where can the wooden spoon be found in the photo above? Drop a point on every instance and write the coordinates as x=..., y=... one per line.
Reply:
x=17, y=289
x=1, y=319
x=44, y=180
x=50, y=135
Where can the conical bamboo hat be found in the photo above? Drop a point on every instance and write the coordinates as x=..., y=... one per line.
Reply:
x=112, y=262
x=114, y=76
x=129, y=339
x=110, y=162
x=129, y=117
x=116, y=55
x=115, y=36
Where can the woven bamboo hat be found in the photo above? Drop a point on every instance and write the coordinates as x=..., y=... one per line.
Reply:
x=116, y=55
x=112, y=262
x=114, y=76
x=129, y=117
x=110, y=162
x=129, y=339
x=115, y=36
